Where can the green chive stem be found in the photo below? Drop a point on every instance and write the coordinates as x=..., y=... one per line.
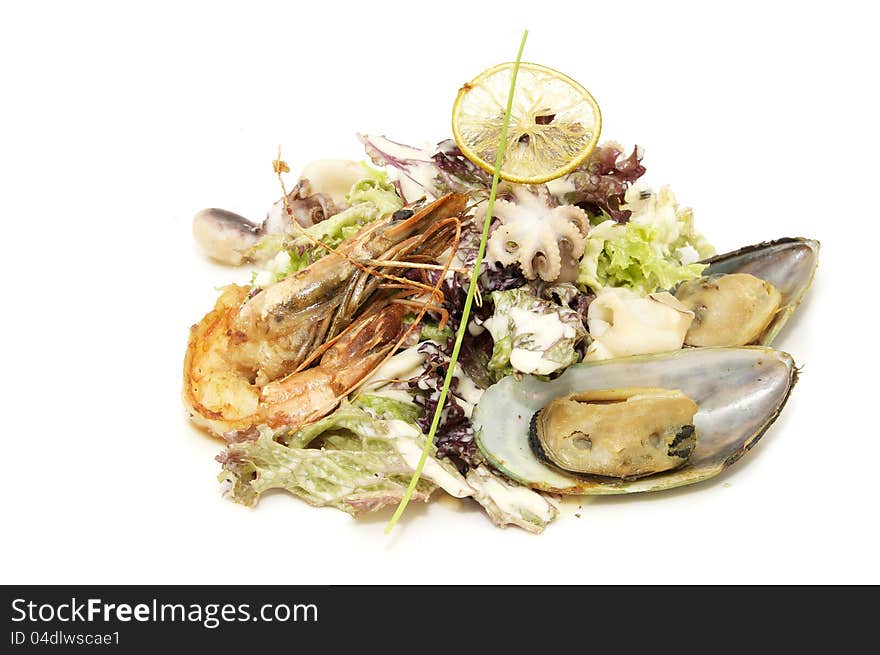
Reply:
x=459, y=336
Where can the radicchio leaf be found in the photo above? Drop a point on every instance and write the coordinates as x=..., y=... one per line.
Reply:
x=455, y=434
x=452, y=161
x=474, y=356
x=601, y=182
x=422, y=172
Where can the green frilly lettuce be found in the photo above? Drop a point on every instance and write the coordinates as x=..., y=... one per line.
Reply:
x=385, y=407
x=650, y=252
x=370, y=198
x=523, y=324
x=431, y=332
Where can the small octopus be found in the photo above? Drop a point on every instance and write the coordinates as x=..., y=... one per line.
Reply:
x=545, y=238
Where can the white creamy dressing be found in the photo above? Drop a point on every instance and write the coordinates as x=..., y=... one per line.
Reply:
x=546, y=330
x=498, y=326
x=404, y=365
x=468, y=393
x=511, y=500
x=274, y=267
x=514, y=500
x=403, y=434
x=408, y=364
x=687, y=255
x=531, y=361
x=475, y=328
x=622, y=323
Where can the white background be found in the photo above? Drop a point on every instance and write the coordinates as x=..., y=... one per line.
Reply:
x=120, y=121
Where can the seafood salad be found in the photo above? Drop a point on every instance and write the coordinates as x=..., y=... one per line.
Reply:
x=608, y=350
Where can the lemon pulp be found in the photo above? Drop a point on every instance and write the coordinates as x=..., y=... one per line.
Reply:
x=554, y=122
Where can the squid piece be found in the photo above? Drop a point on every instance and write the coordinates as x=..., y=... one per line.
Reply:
x=319, y=194
x=622, y=323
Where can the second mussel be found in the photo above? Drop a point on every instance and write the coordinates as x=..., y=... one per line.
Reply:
x=746, y=296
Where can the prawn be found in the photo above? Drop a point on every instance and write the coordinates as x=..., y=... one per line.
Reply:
x=247, y=360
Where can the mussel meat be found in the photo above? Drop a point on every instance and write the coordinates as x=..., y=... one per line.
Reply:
x=729, y=310
x=621, y=433
x=788, y=264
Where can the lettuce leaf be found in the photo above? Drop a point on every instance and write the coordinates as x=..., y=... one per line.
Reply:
x=656, y=249
x=508, y=503
x=363, y=464
x=431, y=331
x=377, y=189
x=370, y=198
x=385, y=407
x=532, y=335
x=358, y=464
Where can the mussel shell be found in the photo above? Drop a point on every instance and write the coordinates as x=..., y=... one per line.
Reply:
x=739, y=393
x=788, y=264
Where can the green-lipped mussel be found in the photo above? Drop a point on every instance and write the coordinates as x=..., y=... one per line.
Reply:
x=739, y=392
x=787, y=264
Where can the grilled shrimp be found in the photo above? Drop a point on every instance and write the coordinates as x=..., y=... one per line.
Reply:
x=222, y=399
x=277, y=329
x=246, y=360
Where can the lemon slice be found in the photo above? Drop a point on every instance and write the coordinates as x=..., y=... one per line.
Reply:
x=554, y=122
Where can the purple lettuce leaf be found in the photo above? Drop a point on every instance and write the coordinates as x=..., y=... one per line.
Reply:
x=601, y=182
x=452, y=161
x=422, y=172
x=455, y=434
